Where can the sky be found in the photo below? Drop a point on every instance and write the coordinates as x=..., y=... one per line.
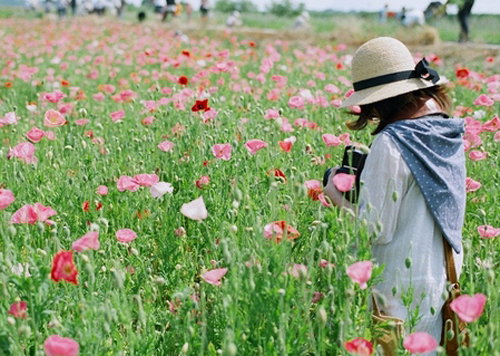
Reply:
x=480, y=6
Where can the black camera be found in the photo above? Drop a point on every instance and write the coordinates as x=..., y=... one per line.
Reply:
x=352, y=163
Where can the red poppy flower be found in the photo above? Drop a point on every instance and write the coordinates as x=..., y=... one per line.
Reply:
x=183, y=80
x=200, y=105
x=63, y=268
x=86, y=206
x=462, y=72
x=252, y=44
x=186, y=53
x=286, y=146
x=277, y=173
x=65, y=83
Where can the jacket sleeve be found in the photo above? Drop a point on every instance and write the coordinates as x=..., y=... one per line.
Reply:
x=384, y=182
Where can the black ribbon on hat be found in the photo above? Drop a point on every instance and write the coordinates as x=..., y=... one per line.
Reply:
x=422, y=70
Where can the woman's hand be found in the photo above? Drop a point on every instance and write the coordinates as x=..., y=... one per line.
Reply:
x=335, y=195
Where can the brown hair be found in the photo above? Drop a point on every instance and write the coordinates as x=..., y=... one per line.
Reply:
x=385, y=112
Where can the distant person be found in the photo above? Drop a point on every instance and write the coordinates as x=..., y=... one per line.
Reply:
x=412, y=18
x=120, y=8
x=73, y=7
x=189, y=12
x=382, y=16
x=159, y=6
x=463, y=17
x=434, y=10
x=302, y=21
x=234, y=20
x=61, y=8
x=170, y=9
x=30, y=5
x=99, y=7
x=204, y=10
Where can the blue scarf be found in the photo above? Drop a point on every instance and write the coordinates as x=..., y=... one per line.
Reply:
x=433, y=149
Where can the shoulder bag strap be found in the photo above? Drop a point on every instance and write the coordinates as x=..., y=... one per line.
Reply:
x=450, y=263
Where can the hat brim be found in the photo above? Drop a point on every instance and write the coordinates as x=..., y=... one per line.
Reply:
x=386, y=91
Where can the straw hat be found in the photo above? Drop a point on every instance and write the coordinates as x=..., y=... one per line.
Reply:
x=383, y=68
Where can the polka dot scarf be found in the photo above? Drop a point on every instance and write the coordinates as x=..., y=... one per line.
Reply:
x=432, y=147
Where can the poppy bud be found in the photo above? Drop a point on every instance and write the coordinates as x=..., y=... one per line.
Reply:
x=231, y=349
x=12, y=230
x=408, y=262
x=322, y=316
x=185, y=348
x=40, y=227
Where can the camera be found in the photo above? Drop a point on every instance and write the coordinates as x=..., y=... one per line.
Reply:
x=353, y=162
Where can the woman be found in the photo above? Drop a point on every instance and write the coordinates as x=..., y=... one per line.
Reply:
x=413, y=191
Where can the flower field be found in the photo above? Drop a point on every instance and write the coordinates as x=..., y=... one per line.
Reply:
x=162, y=196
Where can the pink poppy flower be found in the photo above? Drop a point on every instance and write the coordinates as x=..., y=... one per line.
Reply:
x=18, y=310
x=488, y=231
x=299, y=269
x=222, y=151
x=343, y=181
x=332, y=89
x=102, y=190
x=496, y=138
x=359, y=346
x=55, y=345
x=420, y=343
x=117, y=115
x=54, y=97
x=51, y=136
x=314, y=189
x=89, y=241
x=301, y=122
x=126, y=235
x=159, y=189
x=254, y=145
x=9, y=119
x=214, y=276
x=317, y=297
x=53, y=118
x=271, y=114
x=277, y=229
x=82, y=122
x=324, y=263
x=195, y=209
x=471, y=185
x=35, y=135
x=127, y=183
x=360, y=272
x=331, y=140
x=476, y=155
x=166, y=146
x=469, y=308
x=6, y=198
x=99, y=96
x=484, y=100
x=30, y=214
x=492, y=125
x=63, y=268
x=148, y=120
x=209, y=115
x=24, y=151
x=323, y=200
x=146, y=180
x=296, y=102
x=203, y=182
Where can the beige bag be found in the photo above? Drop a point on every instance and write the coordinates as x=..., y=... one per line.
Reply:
x=387, y=330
